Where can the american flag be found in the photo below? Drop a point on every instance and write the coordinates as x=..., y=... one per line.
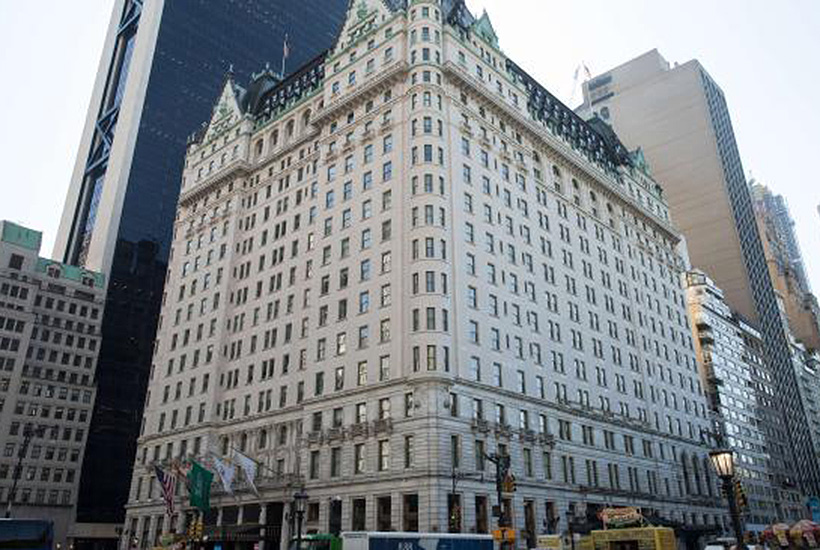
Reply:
x=168, y=483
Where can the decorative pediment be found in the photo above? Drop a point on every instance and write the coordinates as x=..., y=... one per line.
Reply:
x=227, y=110
x=362, y=16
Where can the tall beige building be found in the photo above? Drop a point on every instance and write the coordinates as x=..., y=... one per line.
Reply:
x=679, y=117
x=785, y=263
x=50, y=317
x=664, y=110
x=406, y=256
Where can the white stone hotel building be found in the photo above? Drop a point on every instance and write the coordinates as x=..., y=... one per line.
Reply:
x=405, y=255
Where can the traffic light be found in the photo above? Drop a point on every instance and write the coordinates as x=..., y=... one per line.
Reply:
x=455, y=519
x=509, y=482
x=199, y=529
x=740, y=495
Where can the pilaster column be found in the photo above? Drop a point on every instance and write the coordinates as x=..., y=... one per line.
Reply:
x=263, y=520
x=152, y=532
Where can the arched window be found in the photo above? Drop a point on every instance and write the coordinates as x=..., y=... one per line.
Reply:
x=243, y=442
x=289, y=129
x=225, y=445
x=263, y=439
x=306, y=121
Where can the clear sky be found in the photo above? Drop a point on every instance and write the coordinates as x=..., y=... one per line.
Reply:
x=762, y=53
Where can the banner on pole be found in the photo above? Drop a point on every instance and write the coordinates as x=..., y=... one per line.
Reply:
x=199, y=486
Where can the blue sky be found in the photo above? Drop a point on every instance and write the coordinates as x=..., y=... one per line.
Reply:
x=762, y=53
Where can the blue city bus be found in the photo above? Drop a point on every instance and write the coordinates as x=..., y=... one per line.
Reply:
x=26, y=534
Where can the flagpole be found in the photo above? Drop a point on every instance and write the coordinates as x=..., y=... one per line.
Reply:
x=285, y=53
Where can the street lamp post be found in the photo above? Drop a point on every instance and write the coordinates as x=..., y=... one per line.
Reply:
x=724, y=463
x=28, y=433
x=299, y=502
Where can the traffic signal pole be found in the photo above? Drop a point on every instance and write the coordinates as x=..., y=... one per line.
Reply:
x=502, y=468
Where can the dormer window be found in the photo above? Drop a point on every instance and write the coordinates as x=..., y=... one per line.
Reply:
x=53, y=271
x=16, y=262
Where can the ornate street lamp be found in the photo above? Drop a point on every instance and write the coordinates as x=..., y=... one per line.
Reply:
x=723, y=461
x=299, y=503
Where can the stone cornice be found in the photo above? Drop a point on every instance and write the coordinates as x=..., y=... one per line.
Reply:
x=575, y=411
x=365, y=90
x=236, y=168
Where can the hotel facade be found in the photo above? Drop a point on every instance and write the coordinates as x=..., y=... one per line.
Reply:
x=404, y=257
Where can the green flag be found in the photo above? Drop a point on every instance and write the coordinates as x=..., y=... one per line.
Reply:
x=199, y=487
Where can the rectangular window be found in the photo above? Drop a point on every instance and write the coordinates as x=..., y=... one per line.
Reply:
x=384, y=455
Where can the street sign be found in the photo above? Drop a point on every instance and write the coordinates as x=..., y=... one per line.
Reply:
x=549, y=542
x=620, y=517
x=504, y=535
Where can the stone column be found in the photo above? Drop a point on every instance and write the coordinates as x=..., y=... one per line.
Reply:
x=181, y=522
x=287, y=532
x=152, y=532
x=263, y=520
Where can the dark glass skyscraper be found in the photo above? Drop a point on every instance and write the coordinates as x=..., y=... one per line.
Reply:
x=160, y=73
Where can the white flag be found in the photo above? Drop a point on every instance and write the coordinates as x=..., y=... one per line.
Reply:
x=226, y=472
x=248, y=467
